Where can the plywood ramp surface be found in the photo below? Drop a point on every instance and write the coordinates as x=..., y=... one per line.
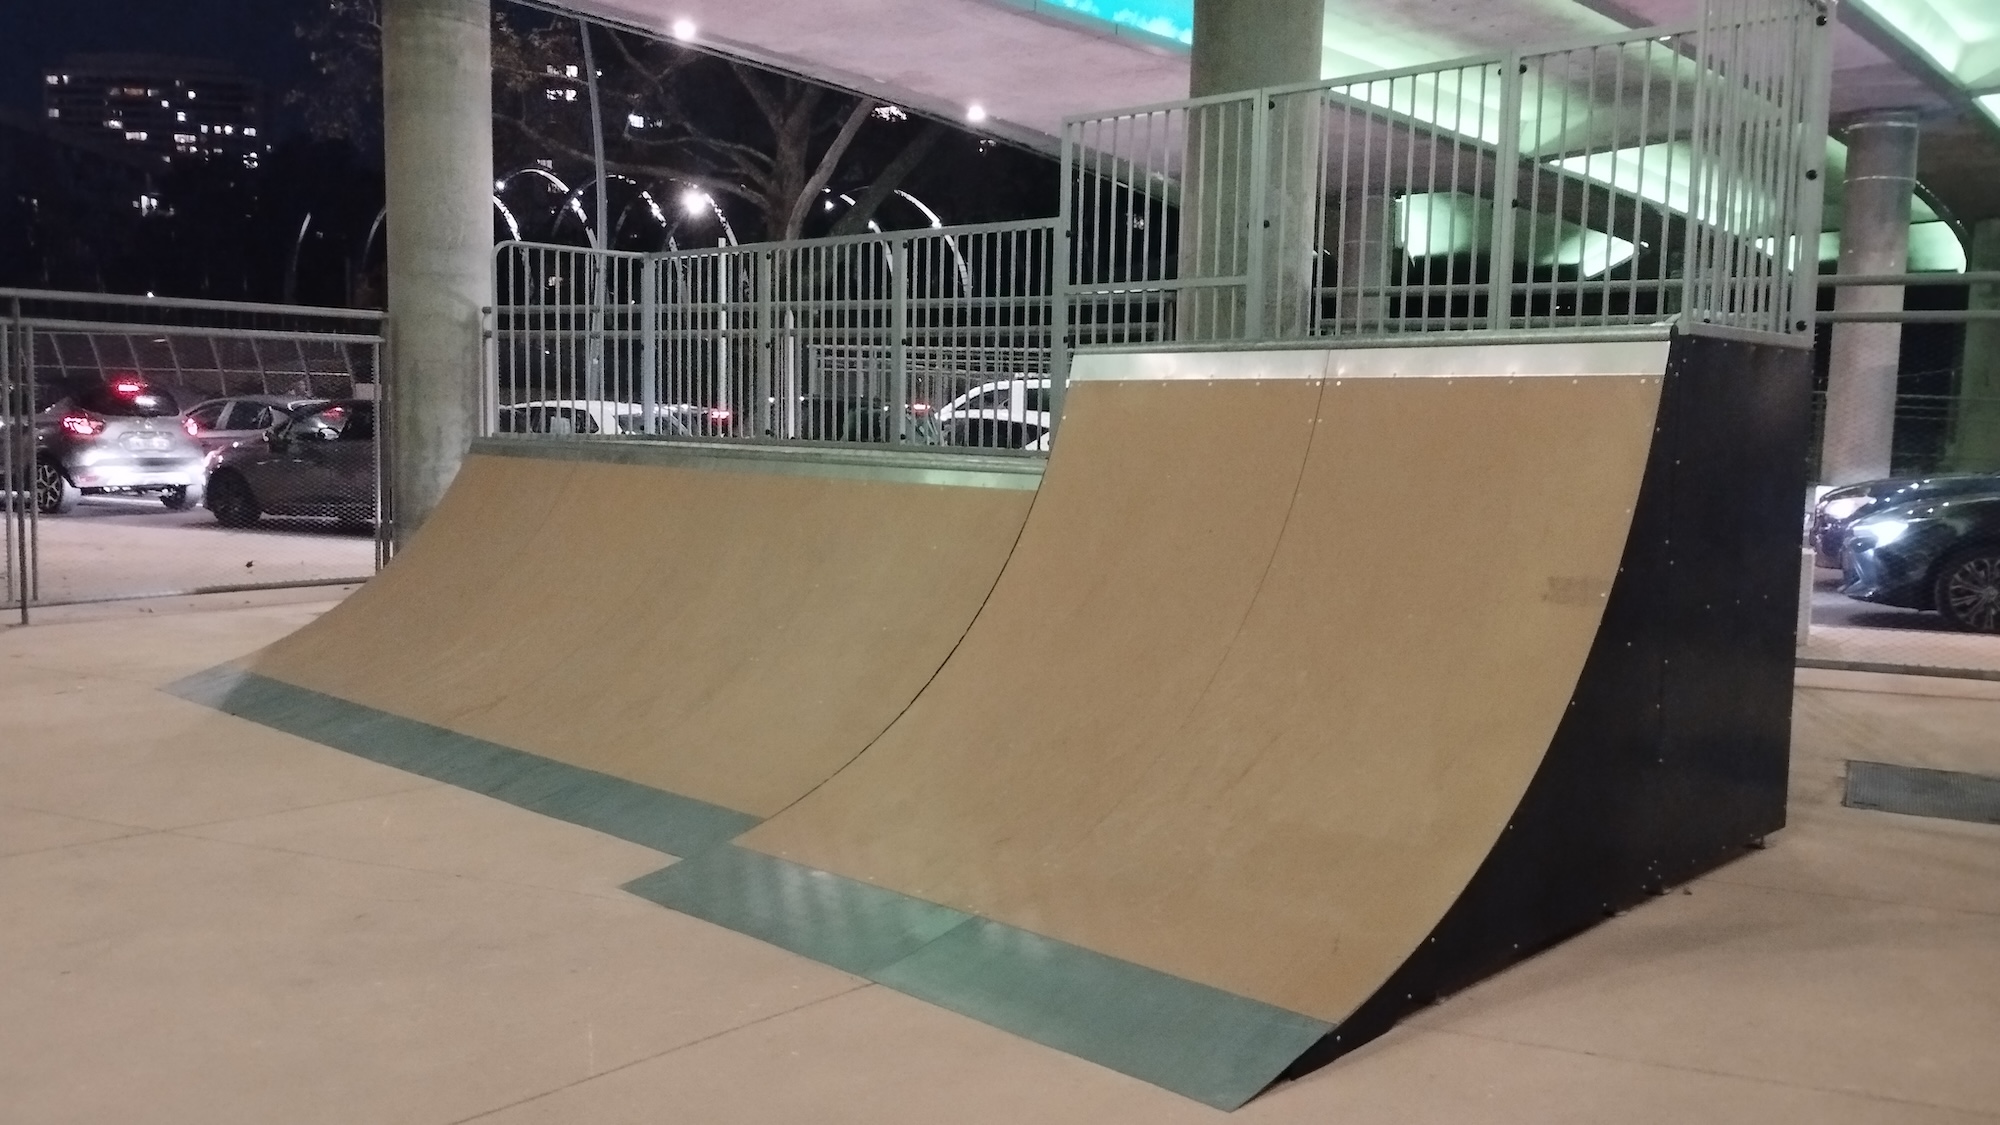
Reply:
x=725, y=634
x=1268, y=672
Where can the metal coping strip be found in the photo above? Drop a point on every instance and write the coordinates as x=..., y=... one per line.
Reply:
x=1824, y=665
x=1022, y=473
x=1470, y=359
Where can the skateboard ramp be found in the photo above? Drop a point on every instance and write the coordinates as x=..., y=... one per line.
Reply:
x=720, y=626
x=1287, y=645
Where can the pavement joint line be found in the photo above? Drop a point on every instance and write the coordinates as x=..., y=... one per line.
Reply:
x=1871, y=899
x=610, y=895
x=6, y=857
x=1684, y=1068
x=18, y=807
x=485, y=1113
x=426, y=783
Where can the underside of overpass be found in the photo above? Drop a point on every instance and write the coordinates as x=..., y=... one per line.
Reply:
x=1027, y=64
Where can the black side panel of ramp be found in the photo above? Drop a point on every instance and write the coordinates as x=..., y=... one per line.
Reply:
x=1673, y=756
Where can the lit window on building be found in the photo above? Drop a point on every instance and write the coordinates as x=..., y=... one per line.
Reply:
x=636, y=121
x=180, y=116
x=249, y=132
x=136, y=136
x=52, y=80
x=114, y=124
x=53, y=112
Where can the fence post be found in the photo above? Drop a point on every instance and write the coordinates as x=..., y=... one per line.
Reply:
x=765, y=264
x=1259, y=216
x=899, y=336
x=649, y=343
x=1506, y=189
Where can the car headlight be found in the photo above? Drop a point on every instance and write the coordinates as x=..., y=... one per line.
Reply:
x=1844, y=508
x=1883, y=532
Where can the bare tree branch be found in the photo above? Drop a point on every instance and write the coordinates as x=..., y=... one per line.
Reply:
x=795, y=222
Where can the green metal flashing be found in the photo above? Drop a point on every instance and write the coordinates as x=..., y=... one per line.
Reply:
x=956, y=470
x=1200, y=1042
x=653, y=818
x=834, y=920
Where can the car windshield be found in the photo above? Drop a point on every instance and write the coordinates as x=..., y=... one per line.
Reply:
x=128, y=398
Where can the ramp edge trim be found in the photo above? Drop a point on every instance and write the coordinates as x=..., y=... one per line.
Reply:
x=652, y=818
x=888, y=466
x=1595, y=358
x=1195, y=1040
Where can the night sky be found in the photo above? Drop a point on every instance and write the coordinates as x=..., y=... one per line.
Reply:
x=254, y=35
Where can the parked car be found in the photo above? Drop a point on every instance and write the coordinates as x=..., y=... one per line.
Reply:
x=120, y=436
x=220, y=423
x=1935, y=554
x=318, y=462
x=1010, y=413
x=1841, y=508
x=574, y=416
x=860, y=418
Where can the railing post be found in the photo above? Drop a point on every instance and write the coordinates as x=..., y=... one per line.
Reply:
x=649, y=343
x=1259, y=215
x=899, y=336
x=1506, y=190
x=765, y=264
x=1057, y=267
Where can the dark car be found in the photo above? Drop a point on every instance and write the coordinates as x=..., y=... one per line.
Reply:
x=861, y=419
x=1843, y=507
x=120, y=436
x=318, y=462
x=221, y=423
x=1938, y=554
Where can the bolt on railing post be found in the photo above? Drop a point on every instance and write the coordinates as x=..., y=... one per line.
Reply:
x=1506, y=189
x=899, y=337
x=649, y=343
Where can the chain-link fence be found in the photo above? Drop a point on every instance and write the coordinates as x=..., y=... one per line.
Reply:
x=1904, y=528
x=152, y=447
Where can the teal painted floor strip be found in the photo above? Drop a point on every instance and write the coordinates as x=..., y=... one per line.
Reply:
x=831, y=919
x=652, y=818
x=1197, y=1041
x=1200, y=1042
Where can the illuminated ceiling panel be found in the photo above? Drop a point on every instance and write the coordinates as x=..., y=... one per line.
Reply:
x=1959, y=37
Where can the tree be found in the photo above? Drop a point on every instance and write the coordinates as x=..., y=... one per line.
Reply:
x=769, y=143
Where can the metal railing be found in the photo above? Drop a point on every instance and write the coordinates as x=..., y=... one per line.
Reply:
x=1665, y=175
x=54, y=342
x=882, y=339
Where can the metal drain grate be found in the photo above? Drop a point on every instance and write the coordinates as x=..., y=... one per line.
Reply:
x=1946, y=794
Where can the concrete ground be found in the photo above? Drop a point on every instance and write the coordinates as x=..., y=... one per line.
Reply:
x=131, y=546
x=205, y=921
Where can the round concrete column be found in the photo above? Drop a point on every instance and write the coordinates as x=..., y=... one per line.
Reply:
x=1874, y=238
x=1226, y=230
x=1249, y=44
x=437, y=101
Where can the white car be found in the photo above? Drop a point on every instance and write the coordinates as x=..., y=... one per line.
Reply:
x=1005, y=414
x=579, y=416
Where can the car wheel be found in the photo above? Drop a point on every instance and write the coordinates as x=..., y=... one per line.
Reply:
x=54, y=494
x=180, y=498
x=1967, y=593
x=230, y=499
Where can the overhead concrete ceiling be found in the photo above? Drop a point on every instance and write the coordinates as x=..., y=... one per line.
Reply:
x=1027, y=64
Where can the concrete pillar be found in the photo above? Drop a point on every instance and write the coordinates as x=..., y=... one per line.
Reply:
x=1225, y=229
x=1874, y=238
x=1975, y=440
x=1248, y=44
x=437, y=102
x=1360, y=226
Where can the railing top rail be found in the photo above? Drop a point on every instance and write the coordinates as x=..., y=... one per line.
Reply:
x=120, y=328
x=1637, y=35
x=1972, y=277
x=524, y=244
x=967, y=230
x=191, y=304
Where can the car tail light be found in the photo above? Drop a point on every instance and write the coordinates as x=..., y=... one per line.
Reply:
x=82, y=424
x=920, y=408
x=193, y=430
x=718, y=414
